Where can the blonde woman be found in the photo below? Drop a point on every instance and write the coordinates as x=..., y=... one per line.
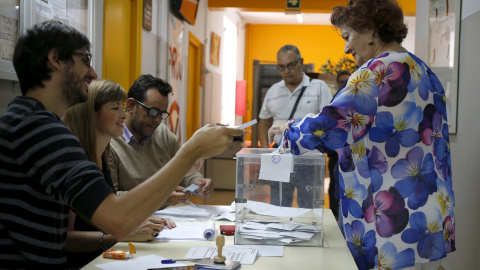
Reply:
x=95, y=122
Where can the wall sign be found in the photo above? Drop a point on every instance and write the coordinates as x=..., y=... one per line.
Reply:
x=215, y=49
x=147, y=15
x=293, y=4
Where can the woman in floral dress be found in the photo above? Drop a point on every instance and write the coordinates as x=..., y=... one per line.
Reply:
x=389, y=125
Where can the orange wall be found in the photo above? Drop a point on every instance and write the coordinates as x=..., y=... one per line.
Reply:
x=317, y=44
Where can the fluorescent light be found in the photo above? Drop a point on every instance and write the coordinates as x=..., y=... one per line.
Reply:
x=299, y=18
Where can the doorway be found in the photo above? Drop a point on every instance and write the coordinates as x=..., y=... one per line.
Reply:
x=194, y=97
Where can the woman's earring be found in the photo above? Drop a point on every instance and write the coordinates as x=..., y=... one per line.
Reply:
x=370, y=42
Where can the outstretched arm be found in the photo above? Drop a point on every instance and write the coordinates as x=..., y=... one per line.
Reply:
x=120, y=215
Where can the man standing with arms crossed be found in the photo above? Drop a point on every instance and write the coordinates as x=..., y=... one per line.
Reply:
x=44, y=171
x=279, y=104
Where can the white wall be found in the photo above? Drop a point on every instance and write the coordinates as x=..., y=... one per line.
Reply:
x=155, y=57
x=215, y=24
x=465, y=144
x=213, y=89
x=154, y=42
x=409, y=41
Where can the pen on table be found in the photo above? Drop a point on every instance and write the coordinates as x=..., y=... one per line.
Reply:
x=170, y=261
x=192, y=204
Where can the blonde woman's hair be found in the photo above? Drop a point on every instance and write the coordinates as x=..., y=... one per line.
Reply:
x=80, y=117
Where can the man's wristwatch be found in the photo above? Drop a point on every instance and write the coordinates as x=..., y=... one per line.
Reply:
x=101, y=240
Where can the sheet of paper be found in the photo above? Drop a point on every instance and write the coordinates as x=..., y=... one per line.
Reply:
x=290, y=240
x=298, y=235
x=227, y=216
x=200, y=252
x=192, y=188
x=246, y=255
x=245, y=125
x=263, y=250
x=283, y=226
x=275, y=167
x=243, y=255
x=143, y=262
x=191, y=213
x=189, y=231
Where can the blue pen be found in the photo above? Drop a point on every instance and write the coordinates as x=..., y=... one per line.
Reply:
x=192, y=204
x=170, y=261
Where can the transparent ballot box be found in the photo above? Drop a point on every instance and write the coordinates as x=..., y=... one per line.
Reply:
x=279, y=198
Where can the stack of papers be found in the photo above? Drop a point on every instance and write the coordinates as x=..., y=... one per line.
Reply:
x=189, y=231
x=282, y=232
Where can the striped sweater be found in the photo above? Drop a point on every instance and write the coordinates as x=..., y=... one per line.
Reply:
x=43, y=173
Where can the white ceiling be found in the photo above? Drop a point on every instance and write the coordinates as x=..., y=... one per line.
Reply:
x=282, y=18
x=308, y=18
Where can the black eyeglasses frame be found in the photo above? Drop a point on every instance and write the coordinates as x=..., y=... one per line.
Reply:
x=153, y=112
x=87, y=55
x=290, y=66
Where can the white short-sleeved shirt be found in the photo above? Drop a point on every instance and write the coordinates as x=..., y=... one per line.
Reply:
x=279, y=101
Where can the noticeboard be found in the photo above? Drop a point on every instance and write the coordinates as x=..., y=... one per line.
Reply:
x=9, y=31
x=16, y=16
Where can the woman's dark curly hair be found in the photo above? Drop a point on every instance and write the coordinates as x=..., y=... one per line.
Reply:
x=384, y=16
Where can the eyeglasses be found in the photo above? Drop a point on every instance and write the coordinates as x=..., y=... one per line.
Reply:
x=154, y=112
x=290, y=66
x=86, y=59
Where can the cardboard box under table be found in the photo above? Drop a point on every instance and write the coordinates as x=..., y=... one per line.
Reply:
x=266, y=211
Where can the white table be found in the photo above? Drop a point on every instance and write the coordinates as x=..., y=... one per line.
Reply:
x=333, y=255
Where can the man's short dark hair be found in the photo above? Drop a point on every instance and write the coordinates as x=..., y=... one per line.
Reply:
x=31, y=52
x=146, y=81
x=343, y=72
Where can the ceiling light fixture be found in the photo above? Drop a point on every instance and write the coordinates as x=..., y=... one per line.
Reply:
x=299, y=18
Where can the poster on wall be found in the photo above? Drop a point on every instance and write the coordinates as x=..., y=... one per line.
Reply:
x=175, y=39
x=71, y=12
x=215, y=50
x=8, y=37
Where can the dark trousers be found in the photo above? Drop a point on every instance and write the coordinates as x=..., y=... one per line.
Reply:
x=333, y=187
x=302, y=180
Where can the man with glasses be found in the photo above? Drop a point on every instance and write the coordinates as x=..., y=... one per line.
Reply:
x=147, y=144
x=279, y=104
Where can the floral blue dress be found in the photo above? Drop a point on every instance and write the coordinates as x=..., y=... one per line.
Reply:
x=389, y=125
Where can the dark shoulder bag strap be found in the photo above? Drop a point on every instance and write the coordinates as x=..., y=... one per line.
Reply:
x=298, y=100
